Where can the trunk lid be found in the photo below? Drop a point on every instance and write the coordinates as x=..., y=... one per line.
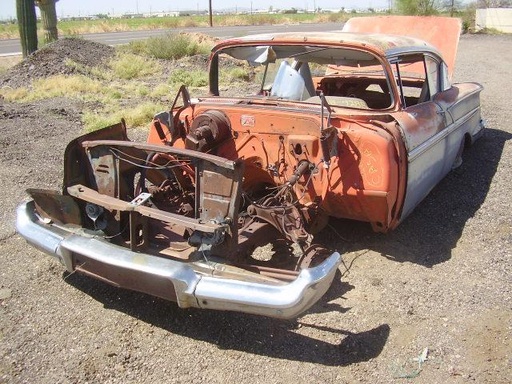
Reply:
x=441, y=32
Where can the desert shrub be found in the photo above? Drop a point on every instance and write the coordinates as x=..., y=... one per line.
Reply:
x=142, y=91
x=169, y=46
x=129, y=66
x=168, y=22
x=236, y=74
x=261, y=19
x=56, y=86
x=115, y=94
x=137, y=47
x=189, y=78
x=231, y=20
x=139, y=116
x=160, y=91
x=93, y=72
x=190, y=22
x=333, y=17
x=142, y=114
x=93, y=121
x=14, y=94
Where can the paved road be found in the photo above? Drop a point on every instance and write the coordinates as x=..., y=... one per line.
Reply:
x=12, y=46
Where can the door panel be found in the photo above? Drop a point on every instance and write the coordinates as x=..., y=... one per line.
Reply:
x=424, y=130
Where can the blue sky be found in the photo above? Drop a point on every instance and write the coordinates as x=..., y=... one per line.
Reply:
x=91, y=7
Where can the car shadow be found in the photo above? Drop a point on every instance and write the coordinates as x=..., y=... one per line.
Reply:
x=282, y=339
x=429, y=234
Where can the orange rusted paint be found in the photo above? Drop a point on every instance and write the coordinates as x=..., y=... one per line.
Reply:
x=361, y=183
x=369, y=172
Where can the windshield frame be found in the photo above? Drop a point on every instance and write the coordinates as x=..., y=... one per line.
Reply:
x=356, y=50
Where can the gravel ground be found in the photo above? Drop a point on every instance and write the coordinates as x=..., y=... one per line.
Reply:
x=441, y=281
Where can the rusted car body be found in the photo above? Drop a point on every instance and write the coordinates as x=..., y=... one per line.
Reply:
x=349, y=124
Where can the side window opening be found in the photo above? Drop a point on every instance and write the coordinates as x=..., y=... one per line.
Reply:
x=432, y=69
x=444, y=78
x=418, y=78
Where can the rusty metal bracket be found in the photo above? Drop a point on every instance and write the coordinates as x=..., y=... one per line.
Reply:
x=286, y=219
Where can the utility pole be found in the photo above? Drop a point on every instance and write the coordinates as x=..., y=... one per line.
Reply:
x=210, y=12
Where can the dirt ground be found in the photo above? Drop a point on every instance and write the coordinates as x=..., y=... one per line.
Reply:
x=53, y=59
x=441, y=281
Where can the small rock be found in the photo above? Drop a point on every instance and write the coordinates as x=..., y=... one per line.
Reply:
x=5, y=293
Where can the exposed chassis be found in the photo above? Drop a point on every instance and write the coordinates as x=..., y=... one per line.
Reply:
x=103, y=227
x=175, y=280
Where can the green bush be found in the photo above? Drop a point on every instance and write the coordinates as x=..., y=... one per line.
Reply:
x=129, y=66
x=138, y=116
x=188, y=78
x=236, y=74
x=169, y=47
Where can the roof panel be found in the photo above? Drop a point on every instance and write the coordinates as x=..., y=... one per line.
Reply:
x=378, y=42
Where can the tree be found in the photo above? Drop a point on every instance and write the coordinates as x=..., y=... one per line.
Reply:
x=452, y=6
x=27, y=25
x=417, y=7
x=49, y=18
x=494, y=3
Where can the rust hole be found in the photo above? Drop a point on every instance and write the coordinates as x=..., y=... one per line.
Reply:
x=139, y=234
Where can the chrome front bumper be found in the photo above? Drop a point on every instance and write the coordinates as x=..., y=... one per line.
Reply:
x=174, y=280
